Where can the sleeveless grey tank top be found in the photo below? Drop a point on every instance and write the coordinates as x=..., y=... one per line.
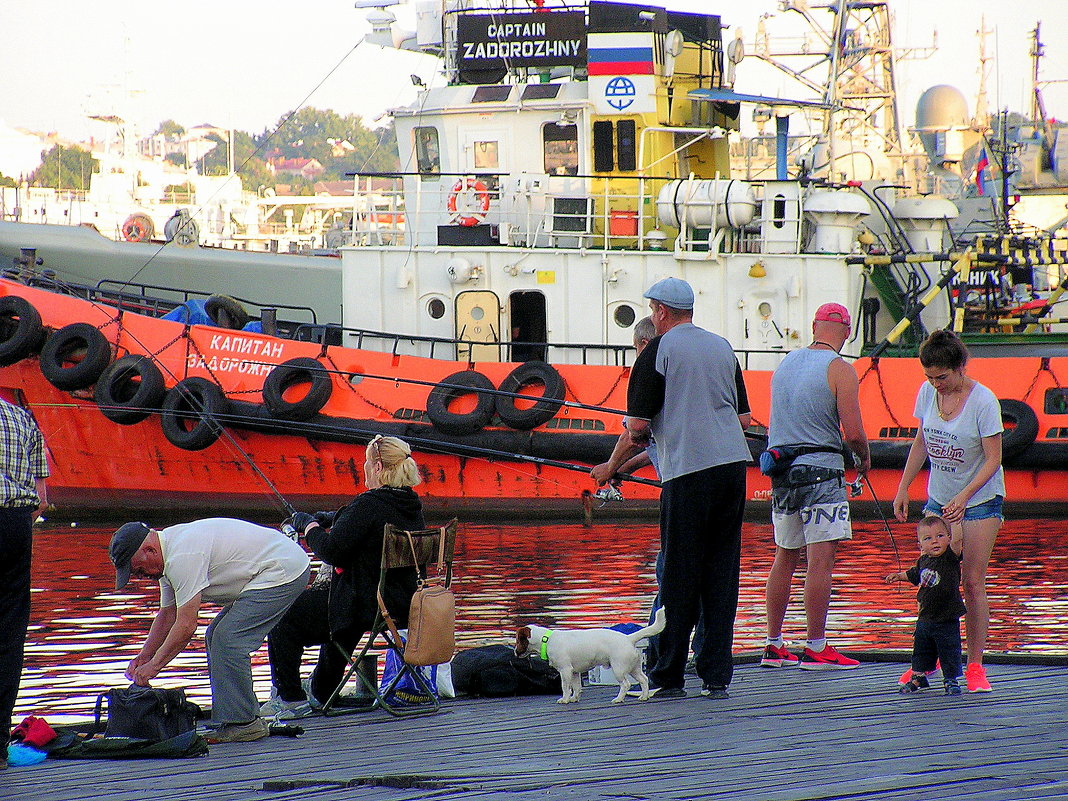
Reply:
x=803, y=408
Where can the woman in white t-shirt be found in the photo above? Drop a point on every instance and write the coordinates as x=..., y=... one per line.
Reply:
x=960, y=432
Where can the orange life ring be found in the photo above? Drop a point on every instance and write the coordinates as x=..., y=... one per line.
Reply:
x=137, y=228
x=468, y=216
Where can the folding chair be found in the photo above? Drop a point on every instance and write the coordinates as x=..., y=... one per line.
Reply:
x=430, y=546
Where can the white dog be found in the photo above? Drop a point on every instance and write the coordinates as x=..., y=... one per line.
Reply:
x=575, y=651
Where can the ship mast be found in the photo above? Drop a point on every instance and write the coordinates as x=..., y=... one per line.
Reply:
x=851, y=62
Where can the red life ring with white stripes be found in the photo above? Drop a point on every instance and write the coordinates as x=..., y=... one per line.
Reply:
x=138, y=228
x=474, y=208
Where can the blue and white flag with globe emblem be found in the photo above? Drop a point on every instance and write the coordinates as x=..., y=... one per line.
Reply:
x=621, y=73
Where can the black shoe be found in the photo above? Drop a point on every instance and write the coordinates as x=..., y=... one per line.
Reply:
x=667, y=693
x=715, y=692
x=915, y=684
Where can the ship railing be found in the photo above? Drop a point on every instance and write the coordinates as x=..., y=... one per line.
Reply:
x=397, y=344
x=536, y=210
x=156, y=301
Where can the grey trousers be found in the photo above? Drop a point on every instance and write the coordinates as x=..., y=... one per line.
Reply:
x=238, y=631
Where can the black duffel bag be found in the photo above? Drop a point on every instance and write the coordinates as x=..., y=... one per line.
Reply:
x=494, y=671
x=147, y=713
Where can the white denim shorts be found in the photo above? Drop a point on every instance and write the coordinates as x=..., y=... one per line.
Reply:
x=806, y=513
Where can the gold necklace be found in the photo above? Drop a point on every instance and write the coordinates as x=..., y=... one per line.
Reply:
x=942, y=412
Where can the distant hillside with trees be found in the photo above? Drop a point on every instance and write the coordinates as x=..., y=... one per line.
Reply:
x=342, y=144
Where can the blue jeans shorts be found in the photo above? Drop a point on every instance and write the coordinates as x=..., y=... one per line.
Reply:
x=981, y=511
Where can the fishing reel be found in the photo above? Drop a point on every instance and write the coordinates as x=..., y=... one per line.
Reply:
x=607, y=494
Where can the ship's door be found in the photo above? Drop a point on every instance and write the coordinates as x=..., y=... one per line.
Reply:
x=526, y=313
x=478, y=319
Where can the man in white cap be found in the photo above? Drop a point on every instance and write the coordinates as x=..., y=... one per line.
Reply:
x=814, y=399
x=254, y=572
x=686, y=391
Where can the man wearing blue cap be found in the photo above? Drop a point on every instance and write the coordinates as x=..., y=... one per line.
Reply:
x=686, y=391
x=255, y=573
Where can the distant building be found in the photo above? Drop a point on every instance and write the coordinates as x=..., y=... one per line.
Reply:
x=308, y=168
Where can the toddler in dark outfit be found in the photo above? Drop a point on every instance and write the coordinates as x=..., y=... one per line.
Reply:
x=937, y=574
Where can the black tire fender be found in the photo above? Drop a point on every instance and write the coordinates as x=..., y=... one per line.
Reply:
x=545, y=407
x=21, y=331
x=226, y=312
x=1021, y=427
x=197, y=401
x=74, y=356
x=302, y=370
x=130, y=389
x=466, y=382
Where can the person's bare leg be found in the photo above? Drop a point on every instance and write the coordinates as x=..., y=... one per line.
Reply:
x=818, y=587
x=979, y=536
x=777, y=592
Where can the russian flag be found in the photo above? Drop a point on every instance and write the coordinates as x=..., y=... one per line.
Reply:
x=982, y=170
x=620, y=54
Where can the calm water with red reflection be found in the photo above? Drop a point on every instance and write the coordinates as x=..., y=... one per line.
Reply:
x=82, y=633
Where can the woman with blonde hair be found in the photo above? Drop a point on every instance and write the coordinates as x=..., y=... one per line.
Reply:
x=343, y=609
x=960, y=432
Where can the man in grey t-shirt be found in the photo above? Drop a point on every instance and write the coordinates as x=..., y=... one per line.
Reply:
x=686, y=391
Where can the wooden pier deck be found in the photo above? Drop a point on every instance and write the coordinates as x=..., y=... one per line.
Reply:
x=784, y=735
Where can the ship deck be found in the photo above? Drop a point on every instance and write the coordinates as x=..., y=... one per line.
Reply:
x=784, y=735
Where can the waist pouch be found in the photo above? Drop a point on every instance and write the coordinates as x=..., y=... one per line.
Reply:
x=776, y=461
x=805, y=475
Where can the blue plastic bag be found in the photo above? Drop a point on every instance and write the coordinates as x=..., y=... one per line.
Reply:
x=407, y=692
x=19, y=754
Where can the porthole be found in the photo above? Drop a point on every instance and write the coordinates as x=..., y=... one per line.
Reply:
x=477, y=312
x=764, y=309
x=624, y=316
x=436, y=308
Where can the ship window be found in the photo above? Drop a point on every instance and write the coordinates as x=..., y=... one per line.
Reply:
x=436, y=308
x=486, y=155
x=427, y=153
x=491, y=94
x=624, y=316
x=625, y=145
x=560, y=146
x=1056, y=401
x=604, y=157
x=541, y=91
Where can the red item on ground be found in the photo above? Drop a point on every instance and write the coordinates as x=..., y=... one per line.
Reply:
x=33, y=731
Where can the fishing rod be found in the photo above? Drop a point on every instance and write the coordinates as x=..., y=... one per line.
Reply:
x=361, y=436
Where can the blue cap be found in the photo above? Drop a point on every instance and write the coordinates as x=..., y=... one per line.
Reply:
x=125, y=543
x=673, y=292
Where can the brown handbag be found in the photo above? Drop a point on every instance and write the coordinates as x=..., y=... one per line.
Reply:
x=431, y=617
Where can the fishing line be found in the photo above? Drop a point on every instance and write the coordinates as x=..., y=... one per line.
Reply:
x=886, y=523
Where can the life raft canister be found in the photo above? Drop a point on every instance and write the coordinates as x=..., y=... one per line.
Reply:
x=138, y=228
x=474, y=208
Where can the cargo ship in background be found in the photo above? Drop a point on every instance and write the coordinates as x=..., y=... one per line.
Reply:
x=568, y=158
